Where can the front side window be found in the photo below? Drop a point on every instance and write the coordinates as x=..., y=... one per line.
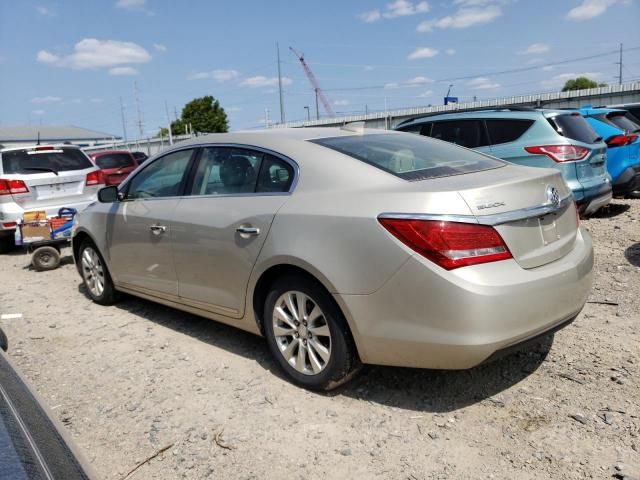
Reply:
x=162, y=178
x=410, y=157
x=466, y=133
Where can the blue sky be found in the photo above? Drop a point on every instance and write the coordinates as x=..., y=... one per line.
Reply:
x=69, y=62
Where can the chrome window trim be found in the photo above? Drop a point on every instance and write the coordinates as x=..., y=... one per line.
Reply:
x=492, y=220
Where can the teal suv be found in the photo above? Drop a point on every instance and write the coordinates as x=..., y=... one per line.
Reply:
x=545, y=138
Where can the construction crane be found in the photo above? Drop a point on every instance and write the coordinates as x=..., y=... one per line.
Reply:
x=314, y=84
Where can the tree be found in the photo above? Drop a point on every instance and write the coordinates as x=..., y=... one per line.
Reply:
x=205, y=115
x=581, y=83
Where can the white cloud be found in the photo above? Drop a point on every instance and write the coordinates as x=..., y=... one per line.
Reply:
x=548, y=68
x=428, y=93
x=96, y=100
x=395, y=9
x=450, y=51
x=418, y=81
x=131, y=4
x=91, y=53
x=423, y=52
x=233, y=109
x=217, y=75
x=391, y=85
x=38, y=112
x=46, y=12
x=120, y=71
x=464, y=17
x=76, y=100
x=482, y=83
x=47, y=99
x=341, y=103
x=535, y=49
x=159, y=47
x=589, y=9
x=559, y=80
x=370, y=17
x=261, y=81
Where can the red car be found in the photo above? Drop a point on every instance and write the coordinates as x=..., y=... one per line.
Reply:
x=115, y=165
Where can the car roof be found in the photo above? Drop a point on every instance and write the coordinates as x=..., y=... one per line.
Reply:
x=588, y=110
x=33, y=147
x=533, y=114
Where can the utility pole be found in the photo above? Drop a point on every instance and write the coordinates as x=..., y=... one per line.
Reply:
x=280, y=85
x=175, y=112
x=266, y=118
x=308, y=114
x=124, y=123
x=620, y=64
x=140, y=124
x=166, y=109
x=317, y=111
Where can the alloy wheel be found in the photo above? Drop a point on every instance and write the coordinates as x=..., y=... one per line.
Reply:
x=92, y=271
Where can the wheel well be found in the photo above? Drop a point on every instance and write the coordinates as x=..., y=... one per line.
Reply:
x=78, y=240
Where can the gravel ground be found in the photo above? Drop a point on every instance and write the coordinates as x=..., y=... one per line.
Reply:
x=131, y=380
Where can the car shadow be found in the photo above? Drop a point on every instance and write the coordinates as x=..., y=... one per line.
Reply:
x=406, y=388
x=632, y=254
x=610, y=211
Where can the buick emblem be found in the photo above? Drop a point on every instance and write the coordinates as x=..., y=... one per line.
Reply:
x=553, y=197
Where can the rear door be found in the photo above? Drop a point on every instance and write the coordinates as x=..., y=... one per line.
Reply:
x=219, y=229
x=466, y=133
x=139, y=237
x=53, y=176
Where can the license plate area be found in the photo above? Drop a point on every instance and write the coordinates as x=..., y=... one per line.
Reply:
x=57, y=189
x=549, y=228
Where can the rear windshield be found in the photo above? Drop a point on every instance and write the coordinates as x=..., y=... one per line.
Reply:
x=574, y=126
x=31, y=162
x=114, y=160
x=625, y=121
x=410, y=157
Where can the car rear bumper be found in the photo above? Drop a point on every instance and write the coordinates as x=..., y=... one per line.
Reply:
x=430, y=318
x=628, y=181
x=12, y=212
x=594, y=199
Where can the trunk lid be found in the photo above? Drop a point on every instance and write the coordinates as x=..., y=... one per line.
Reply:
x=532, y=209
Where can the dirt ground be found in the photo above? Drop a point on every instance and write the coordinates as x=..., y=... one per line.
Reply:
x=137, y=378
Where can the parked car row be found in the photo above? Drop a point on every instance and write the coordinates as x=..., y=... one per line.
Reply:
x=596, y=150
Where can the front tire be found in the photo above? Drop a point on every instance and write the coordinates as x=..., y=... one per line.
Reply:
x=308, y=335
x=95, y=275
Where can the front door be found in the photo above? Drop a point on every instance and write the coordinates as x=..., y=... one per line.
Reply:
x=219, y=229
x=140, y=235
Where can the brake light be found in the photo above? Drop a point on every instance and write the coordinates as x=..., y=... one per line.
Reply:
x=560, y=153
x=620, y=140
x=94, y=178
x=42, y=149
x=12, y=187
x=10, y=225
x=449, y=244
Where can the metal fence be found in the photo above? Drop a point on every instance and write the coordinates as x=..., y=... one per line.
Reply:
x=150, y=146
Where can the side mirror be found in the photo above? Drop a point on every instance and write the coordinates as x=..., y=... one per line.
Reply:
x=108, y=194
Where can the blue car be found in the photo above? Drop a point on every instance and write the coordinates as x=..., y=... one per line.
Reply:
x=620, y=130
x=545, y=138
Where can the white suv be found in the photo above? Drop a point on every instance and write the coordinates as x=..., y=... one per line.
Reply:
x=43, y=177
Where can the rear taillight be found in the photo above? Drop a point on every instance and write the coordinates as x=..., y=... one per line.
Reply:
x=12, y=187
x=449, y=244
x=94, y=178
x=560, y=153
x=620, y=140
x=10, y=225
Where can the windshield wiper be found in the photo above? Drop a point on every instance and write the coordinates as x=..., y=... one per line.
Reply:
x=40, y=169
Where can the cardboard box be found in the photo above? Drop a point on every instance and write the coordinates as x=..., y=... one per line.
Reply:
x=34, y=216
x=35, y=232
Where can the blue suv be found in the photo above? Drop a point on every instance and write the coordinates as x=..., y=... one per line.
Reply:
x=546, y=138
x=620, y=130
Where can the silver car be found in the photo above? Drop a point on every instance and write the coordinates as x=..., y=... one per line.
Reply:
x=44, y=178
x=344, y=246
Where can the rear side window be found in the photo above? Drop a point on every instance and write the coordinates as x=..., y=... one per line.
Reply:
x=114, y=160
x=410, y=157
x=575, y=127
x=506, y=130
x=28, y=162
x=466, y=133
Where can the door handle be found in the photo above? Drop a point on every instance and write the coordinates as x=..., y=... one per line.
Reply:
x=157, y=229
x=248, y=231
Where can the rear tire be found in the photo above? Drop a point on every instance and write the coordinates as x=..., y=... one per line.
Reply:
x=95, y=276
x=45, y=258
x=308, y=334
